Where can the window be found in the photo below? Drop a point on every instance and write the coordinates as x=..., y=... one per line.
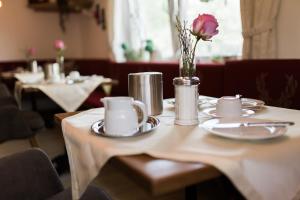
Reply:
x=229, y=40
x=227, y=43
x=157, y=26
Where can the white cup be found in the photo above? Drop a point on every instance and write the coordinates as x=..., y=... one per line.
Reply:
x=229, y=106
x=74, y=75
x=121, y=117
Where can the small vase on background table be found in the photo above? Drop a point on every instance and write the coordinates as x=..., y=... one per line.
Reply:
x=60, y=61
x=33, y=66
x=60, y=48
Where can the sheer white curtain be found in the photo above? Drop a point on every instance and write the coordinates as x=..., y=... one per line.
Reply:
x=259, y=21
x=125, y=26
x=173, y=12
x=176, y=8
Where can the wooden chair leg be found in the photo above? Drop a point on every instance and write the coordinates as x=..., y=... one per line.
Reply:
x=33, y=142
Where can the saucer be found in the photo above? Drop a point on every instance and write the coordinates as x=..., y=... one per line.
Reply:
x=151, y=124
x=213, y=112
x=243, y=133
x=247, y=103
x=201, y=100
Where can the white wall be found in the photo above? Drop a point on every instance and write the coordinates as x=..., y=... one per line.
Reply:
x=95, y=43
x=289, y=29
x=21, y=27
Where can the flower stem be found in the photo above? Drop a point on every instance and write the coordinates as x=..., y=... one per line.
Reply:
x=194, y=49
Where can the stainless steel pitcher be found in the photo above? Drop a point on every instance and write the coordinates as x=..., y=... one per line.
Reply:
x=148, y=88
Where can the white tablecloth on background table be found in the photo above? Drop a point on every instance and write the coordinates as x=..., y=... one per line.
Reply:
x=28, y=77
x=67, y=96
x=268, y=169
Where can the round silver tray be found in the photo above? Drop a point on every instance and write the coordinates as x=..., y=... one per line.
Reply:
x=151, y=124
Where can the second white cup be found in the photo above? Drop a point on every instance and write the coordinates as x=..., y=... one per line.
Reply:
x=74, y=75
x=229, y=106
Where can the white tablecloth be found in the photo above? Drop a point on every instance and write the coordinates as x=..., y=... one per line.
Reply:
x=28, y=77
x=67, y=96
x=267, y=169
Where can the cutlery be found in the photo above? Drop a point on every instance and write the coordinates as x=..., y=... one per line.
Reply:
x=253, y=124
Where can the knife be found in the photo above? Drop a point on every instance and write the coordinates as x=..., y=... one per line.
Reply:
x=253, y=124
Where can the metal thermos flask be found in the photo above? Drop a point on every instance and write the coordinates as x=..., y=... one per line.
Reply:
x=33, y=66
x=52, y=72
x=148, y=88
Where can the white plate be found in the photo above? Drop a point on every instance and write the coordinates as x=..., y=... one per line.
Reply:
x=247, y=103
x=243, y=133
x=212, y=112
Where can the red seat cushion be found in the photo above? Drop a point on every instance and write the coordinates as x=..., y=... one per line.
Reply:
x=94, y=99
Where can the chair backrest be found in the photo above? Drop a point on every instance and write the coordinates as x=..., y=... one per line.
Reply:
x=4, y=91
x=275, y=81
x=28, y=175
x=12, y=124
x=5, y=96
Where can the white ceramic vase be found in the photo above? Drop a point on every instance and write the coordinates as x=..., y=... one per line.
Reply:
x=61, y=60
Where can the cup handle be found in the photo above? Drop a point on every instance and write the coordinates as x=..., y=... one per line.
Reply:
x=141, y=105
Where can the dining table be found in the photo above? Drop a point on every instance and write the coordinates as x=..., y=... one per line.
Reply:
x=68, y=94
x=160, y=176
x=174, y=157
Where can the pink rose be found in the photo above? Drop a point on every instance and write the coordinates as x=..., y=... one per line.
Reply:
x=59, y=45
x=31, y=51
x=205, y=26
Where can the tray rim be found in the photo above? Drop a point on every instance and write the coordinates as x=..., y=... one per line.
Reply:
x=137, y=134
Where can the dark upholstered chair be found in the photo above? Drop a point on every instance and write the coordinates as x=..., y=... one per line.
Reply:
x=30, y=175
x=7, y=101
x=4, y=91
x=13, y=125
x=17, y=124
x=5, y=96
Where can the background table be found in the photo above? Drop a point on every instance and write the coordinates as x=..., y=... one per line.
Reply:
x=67, y=96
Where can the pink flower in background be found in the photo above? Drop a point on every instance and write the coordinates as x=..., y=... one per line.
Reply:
x=31, y=52
x=205, y=26
x=59, y=45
